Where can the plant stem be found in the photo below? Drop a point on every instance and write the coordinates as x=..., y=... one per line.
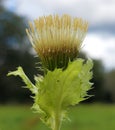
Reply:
x=57, y=121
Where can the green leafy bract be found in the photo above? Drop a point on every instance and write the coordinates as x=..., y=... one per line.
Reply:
x=59, y=89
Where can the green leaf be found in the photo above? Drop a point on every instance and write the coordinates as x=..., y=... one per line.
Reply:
x=60, y=89
x=29, y=84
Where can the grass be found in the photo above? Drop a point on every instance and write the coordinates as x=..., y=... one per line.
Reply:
x=83, y=117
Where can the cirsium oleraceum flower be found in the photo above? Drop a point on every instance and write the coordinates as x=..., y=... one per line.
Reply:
x=57, y=39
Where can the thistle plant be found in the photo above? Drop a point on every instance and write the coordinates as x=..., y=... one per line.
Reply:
x=66, y=80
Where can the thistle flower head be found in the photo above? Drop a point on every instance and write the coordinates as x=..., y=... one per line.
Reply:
x=57, y=40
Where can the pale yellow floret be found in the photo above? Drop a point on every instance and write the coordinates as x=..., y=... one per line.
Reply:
x=55, y=30
x=54, y=34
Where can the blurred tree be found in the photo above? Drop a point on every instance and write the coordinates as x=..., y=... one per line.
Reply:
x=110, y=86
x=11, y=28
x=13, y=52
x=98, y=80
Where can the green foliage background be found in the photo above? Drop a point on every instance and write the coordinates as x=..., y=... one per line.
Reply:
x=82, y=117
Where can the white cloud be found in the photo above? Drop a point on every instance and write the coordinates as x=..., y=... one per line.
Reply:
x=102, y=48
x=94, y=11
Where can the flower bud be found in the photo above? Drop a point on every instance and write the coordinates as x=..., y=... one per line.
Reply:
x=57, y=39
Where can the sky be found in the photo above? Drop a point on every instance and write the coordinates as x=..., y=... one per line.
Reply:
x=100, y=39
